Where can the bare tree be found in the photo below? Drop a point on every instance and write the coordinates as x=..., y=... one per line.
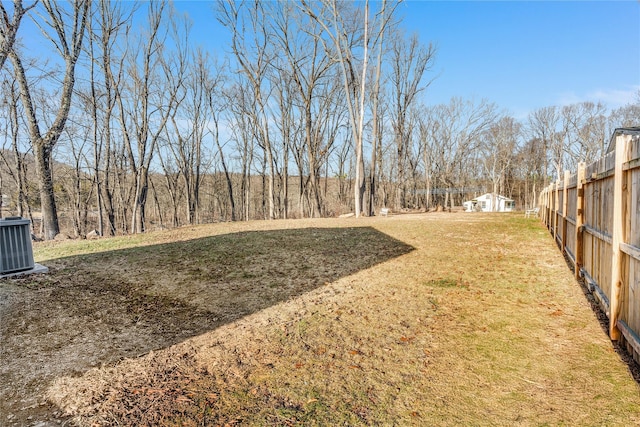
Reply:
x=543, y=124
x=215, y=133
x=532, y=159
x=585, y=125
x=9, y=27
x=65, y=29
x=250, y=39
x=152, y=95
x=287, y=127
x=172, y=182
x=109, y=24
x=308, y=68
x=315, y=83
x=243, y=133
x=626, y=116
x=13, y=153
x=456, y=131
x=376, y=120
x=410, y=60
x=188, y=128
x=75, y=177
x=341, y=26
x=427, y=134
x=499, y=146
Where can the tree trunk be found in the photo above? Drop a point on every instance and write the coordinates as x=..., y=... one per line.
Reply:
x=142, y=187
x=45, y=183
x=43, y=145
x=226, y=175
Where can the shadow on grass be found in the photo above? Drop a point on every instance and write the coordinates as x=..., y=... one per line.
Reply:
x=100, y=308
x=603, y=320
x=619, y=348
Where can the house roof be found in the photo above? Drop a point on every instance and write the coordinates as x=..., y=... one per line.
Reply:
x=489, y=195
x=621, y=131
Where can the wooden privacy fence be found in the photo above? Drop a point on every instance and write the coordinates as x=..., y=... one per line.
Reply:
x=593, y=215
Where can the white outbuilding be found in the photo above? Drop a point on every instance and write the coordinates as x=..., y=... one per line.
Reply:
x=490, y=202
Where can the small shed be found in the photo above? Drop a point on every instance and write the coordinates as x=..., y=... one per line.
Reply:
x=621, y=131
x=490, y=202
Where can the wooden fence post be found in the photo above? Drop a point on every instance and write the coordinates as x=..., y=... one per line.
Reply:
x=556, y=207
x=563, y=244
x=550, y=207
x=545, y=206
x=579, y=219
x=620, y=213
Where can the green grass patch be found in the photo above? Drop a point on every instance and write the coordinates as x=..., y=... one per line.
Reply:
x=443, y=283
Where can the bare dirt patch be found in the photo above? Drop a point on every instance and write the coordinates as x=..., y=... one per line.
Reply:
x=98, y=309
x=436, y=319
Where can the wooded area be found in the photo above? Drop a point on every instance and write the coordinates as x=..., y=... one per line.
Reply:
x=593, y=216
x=319, y=108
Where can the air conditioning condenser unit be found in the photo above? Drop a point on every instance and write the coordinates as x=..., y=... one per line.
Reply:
x=16, y=252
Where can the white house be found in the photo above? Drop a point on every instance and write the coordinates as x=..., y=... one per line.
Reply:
x=489, y=202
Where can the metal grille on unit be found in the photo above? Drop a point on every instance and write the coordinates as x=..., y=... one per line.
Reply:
x=16, y=252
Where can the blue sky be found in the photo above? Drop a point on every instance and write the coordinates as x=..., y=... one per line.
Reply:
x=527, y=55
x=520, y=55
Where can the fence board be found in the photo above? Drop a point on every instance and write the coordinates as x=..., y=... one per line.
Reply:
x=593, y=216
x=603, y=267
x=633, y=296
x=572, y=198
x=633, y=310
x=632, y=313
x=570, y=244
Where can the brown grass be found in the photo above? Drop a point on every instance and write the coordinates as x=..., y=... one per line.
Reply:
x=435, y=319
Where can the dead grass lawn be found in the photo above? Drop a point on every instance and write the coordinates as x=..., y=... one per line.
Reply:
x=437, y=319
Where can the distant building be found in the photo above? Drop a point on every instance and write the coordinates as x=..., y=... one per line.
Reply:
x=621, y=131
x=489, y=202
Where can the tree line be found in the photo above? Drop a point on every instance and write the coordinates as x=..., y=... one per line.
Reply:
x=318, y=108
